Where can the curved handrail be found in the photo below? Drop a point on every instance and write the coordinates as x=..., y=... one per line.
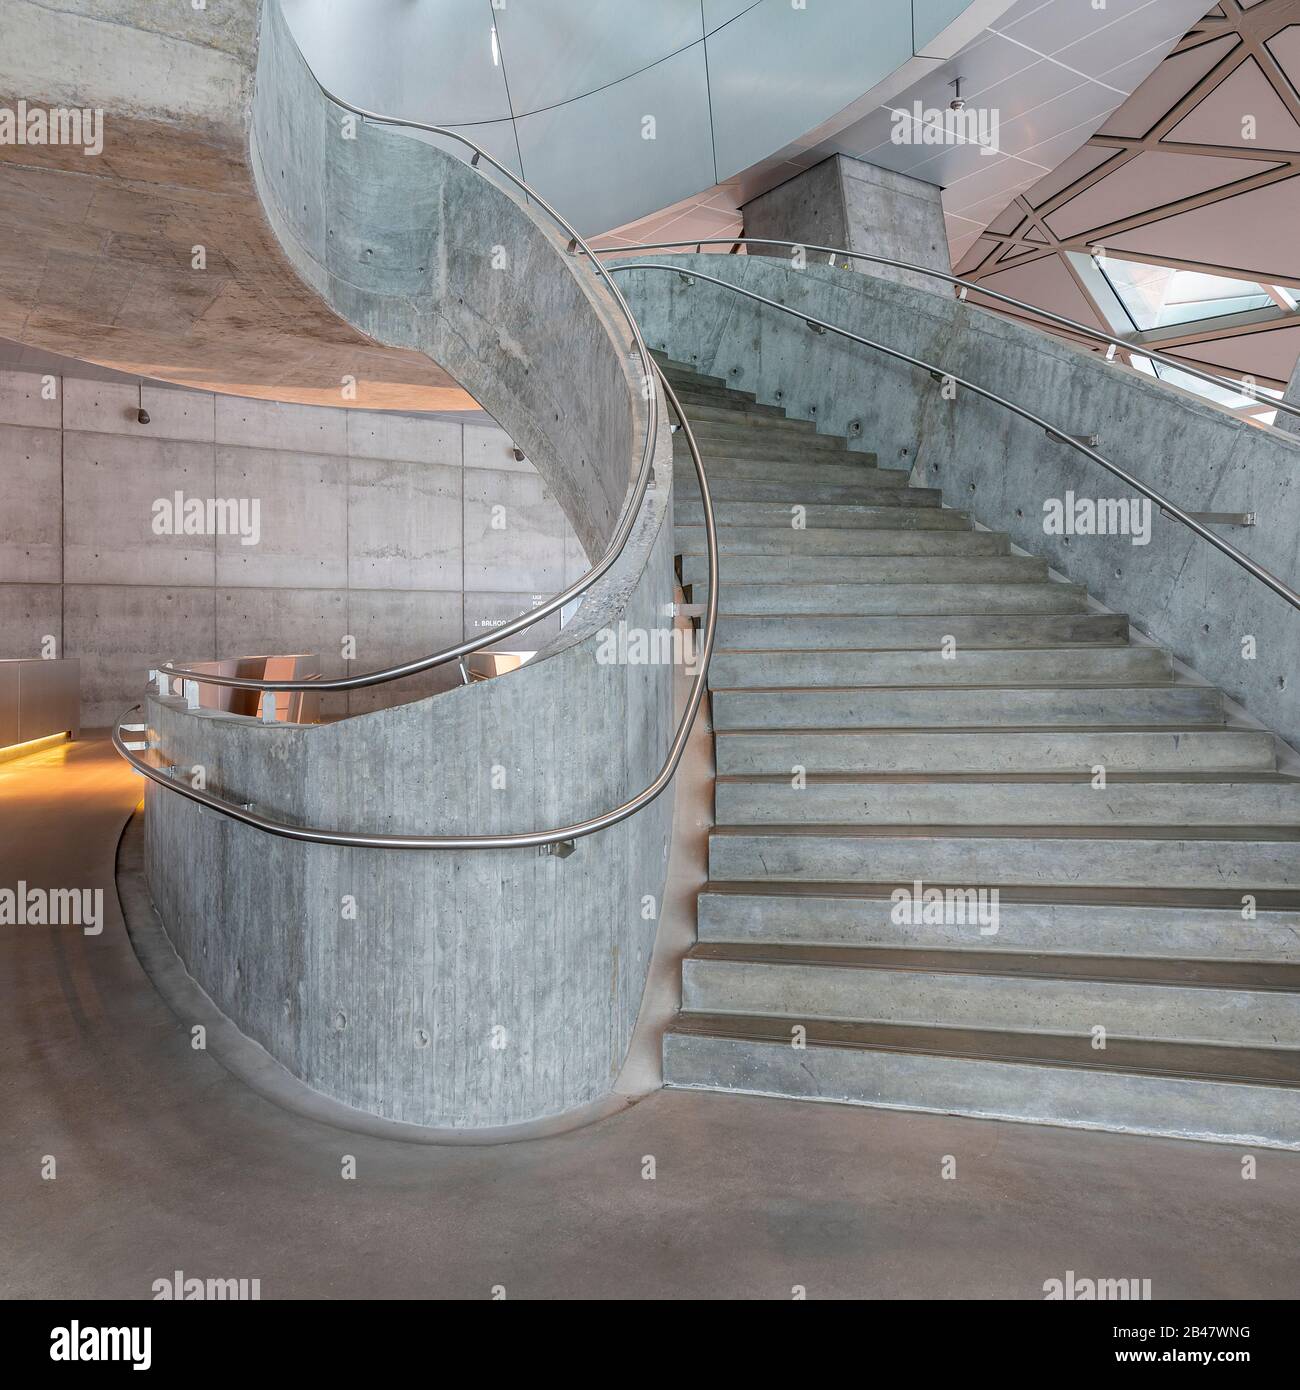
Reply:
x=627, y=519
x=1213, y=378
x=524, y=839
x=1257, y=571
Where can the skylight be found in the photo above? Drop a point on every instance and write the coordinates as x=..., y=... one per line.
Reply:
x=1158, y=296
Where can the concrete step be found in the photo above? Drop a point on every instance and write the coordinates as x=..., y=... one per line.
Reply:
x=722, y=441
x=997, y=750
x=726, y=399
x=1176, y=856
x=689, y=512
x=1229, y=1003
x=1047, y=799
x=861, y=493
x=1179, y=924
x=783, y=539
x=968, y=630
x=796, y=470
x=748, y=669
x=896, y=600
x=969, y=707
x=706, y=415
x=1236, y=1095
x=869, y=569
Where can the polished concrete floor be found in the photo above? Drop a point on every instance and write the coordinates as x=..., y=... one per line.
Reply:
x=165, y=1162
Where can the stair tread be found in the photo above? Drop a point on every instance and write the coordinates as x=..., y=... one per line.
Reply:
x=965, y=731
x=1227, y=777
x=1272, y=834
x=1174, y=682
x=1271, y=976
x=1195, y=1061
x=1165, y=955
x=1064, y=895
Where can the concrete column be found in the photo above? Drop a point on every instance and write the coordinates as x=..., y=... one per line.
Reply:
x=1291, y=394
x=847, y=202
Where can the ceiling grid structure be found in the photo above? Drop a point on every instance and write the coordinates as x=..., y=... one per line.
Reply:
x=1196, y=172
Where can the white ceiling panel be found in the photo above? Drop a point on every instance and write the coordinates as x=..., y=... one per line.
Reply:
x=1054, y=27
x=404, y=59
x=598, y=182
x=556, y=50
x=777, y=72
x=931, y=17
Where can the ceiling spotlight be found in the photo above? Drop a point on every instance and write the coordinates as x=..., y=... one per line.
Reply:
x=958, y=101
x=142, y=415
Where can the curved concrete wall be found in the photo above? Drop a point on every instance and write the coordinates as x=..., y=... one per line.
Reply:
x=417, y=249
x=465, y=990
x=1000, y=469
x=470, y=989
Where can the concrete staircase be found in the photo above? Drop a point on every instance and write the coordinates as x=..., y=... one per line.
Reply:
x=899, y=700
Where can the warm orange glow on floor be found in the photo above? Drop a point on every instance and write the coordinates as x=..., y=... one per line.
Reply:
x=33, y=745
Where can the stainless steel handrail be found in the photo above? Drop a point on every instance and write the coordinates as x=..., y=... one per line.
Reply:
x=523, y=840
x=1212, y=378
x=1257, y=571
x=631, y=506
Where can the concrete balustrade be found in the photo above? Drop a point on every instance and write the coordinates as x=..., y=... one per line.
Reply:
x=465, y=990
x=1002, y=470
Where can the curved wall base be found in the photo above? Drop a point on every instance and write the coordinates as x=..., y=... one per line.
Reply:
x=253, y=1064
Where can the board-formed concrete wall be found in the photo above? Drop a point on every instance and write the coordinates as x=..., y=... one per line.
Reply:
x=1002, y=470
x=849, y=203
x=473, y=989
x=418, y=249
x=406, y=533
x=457, y=990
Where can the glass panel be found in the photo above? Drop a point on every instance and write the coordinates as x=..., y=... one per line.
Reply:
x=1156, y=296
x=1220, y=395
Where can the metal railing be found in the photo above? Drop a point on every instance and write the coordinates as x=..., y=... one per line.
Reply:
x=627, y=519
x=1256, y=570
x=618, y=541
x=972, y=287
x=522, y=840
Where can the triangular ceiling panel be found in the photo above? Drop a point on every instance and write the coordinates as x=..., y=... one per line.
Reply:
x=1252, y=233
x=976, y=255
x=1220, y=118
x=1008, y=219
x=1047, y=283
x=1018, y=253
x=1082, y=161
x=1285, y=48
x=1162, y=91
x=1271, y=353
x=1151, y=180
